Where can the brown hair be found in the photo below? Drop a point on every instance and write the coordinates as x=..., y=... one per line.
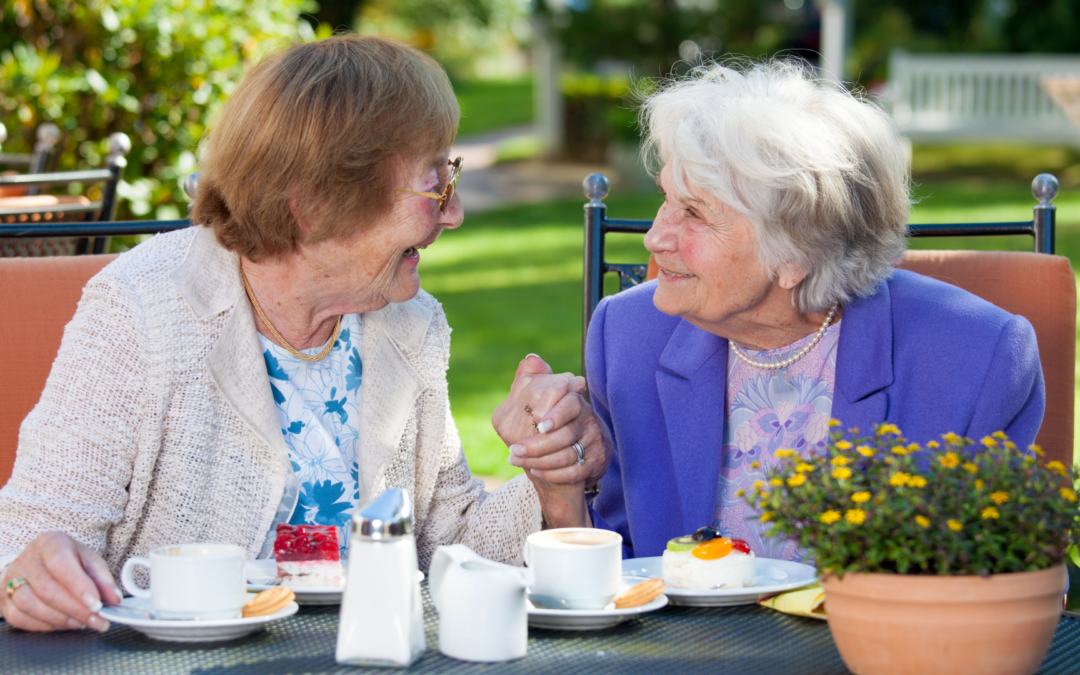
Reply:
x=326, y=122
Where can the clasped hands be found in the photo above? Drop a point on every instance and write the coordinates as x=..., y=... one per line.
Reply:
x=540, y=420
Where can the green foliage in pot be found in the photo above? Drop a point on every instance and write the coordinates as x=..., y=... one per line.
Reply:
x=877, y=503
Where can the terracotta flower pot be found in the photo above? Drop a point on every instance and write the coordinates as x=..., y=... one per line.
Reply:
x=893, y=624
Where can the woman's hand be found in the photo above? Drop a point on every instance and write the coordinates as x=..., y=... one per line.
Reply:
x=65, y=585
x=541, y=419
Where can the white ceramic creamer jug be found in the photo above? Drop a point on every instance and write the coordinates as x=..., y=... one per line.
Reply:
x=481, y=604
x=382, y=615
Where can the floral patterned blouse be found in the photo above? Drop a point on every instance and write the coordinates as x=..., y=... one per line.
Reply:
x=767, y=411
x=317, y=409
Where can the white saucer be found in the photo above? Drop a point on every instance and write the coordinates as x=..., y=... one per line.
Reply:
x=262, y=574
x=593, y=619
x=189, y=631
x=773, y=576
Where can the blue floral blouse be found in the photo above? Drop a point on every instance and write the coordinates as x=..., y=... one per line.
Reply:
x=317, y=410
x=768, y=410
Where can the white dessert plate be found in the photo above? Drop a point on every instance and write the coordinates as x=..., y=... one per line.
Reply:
x=189, y=631
x=593, y=619
x=773, y=576
x=262, y=574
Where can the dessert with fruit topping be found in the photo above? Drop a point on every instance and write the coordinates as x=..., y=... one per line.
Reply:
x=706, y=560
x=308, y=555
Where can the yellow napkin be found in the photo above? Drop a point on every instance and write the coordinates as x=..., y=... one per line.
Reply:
x=809, y=602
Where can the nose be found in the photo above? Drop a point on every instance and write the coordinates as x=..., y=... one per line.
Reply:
x=661, y=236
x=453, y=217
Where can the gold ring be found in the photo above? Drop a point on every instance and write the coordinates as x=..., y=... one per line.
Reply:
x=15, y=584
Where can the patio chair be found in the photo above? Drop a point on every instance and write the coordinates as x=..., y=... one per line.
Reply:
x=1040, y=286
x=48, y=134
x=32, y=323
x=47, y=209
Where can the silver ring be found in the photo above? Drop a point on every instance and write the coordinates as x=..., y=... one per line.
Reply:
x=580, y=450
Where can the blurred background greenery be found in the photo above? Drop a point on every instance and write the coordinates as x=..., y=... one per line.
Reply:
x=511, y=278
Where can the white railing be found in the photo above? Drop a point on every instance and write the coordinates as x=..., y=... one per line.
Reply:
x=941, y=98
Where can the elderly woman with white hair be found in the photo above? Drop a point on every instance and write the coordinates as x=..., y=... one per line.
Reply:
x=777, y=308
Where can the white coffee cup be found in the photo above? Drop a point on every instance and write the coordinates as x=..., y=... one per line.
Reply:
x=192, y=581
x=579, y=566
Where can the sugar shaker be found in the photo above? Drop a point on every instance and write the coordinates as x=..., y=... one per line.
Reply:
x=382, y=616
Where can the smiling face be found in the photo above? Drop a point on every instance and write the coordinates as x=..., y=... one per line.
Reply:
x=710, y=274
x=377, y=265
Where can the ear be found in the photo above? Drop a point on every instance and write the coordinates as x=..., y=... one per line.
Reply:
x=294, y=209
x=790, y=276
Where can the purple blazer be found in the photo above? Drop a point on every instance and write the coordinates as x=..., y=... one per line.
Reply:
x=919, y=353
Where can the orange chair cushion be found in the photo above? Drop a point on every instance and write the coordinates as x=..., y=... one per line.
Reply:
x=1039, y=287
x=40, y=296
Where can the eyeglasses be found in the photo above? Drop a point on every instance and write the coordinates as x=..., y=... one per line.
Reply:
x=447, y=195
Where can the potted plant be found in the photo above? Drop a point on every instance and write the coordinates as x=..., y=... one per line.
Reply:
x=946, y=558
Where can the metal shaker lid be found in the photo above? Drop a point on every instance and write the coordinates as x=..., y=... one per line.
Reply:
x=388, y=517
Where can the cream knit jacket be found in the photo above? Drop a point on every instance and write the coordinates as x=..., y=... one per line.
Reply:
x=157, y=425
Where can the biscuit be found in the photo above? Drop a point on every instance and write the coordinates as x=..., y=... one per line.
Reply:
x=269, y=601
x=645, y=592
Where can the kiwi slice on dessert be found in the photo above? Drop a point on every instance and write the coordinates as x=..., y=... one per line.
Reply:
x=682, y=544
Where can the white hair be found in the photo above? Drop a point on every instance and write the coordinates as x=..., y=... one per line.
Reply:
x=820, y=173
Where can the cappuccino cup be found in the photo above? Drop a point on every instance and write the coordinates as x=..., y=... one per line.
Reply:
x=579, y=566
x=201, y=582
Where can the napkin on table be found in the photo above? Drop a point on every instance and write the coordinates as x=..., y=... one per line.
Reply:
x=809, y=602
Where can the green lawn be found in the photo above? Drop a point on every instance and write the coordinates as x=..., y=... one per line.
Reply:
x=489, y=106
x=511, y=284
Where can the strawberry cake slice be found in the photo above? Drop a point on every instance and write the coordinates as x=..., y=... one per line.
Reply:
x=308, y=555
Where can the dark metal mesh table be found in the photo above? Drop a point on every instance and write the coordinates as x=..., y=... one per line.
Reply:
x=677, y=640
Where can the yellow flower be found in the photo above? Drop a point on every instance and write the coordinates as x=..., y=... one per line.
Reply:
x=951, y=438
x=865, y=451
x=933, y=444
x=860, y=497
x=1000, y=435
x=979, y=484
x=766, y=516
x=899, y=450
x=1068, y=494
x=830, y=517
x=923, y=521
x=758, y=484
x=989, y=442
x=776, y=482
x=840, y=460
x=1010, y=445
x=803, y=467
x=899, y=479
x=999, y=497
x=841, y=472
x=912, y=447
x=1037, y=449
x=755, y=464
x=1056, y=466
x=855, y=516
x=968, y=466
x=954, y=525
x=740, y=492
x=843, y=445
x=834, y=422
x=784, y=452
x=990, y=512
x=950, y=460
x=917, y=482
x=888, y=429
x=797, y=480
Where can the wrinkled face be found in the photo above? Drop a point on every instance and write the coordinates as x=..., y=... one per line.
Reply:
x=380, y=260
x=709, y=270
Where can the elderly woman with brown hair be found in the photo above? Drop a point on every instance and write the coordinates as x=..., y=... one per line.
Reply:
x=279, y=363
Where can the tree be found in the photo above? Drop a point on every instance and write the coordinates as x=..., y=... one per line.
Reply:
x=153, y=70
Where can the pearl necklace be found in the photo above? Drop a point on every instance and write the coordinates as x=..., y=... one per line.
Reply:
x=791, y=359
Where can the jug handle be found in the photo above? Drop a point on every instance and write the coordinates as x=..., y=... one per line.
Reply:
x=445, y=558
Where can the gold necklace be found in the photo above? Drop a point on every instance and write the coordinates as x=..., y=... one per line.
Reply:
x=288, y=347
